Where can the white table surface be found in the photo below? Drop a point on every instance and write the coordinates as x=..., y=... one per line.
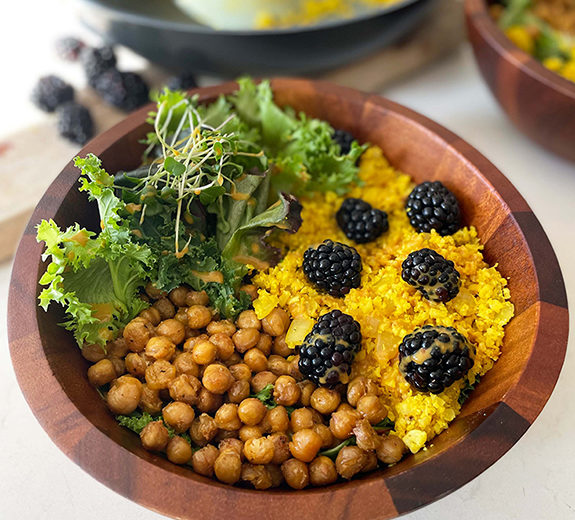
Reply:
x=534, y=480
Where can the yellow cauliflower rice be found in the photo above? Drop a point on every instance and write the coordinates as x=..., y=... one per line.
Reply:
x=385, y=306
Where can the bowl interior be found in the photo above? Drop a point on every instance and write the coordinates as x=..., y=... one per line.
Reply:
x=495, y=416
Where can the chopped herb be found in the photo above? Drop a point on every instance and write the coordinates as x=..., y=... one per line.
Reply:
x=467, y=389
x=333, y=452
x=386, y=424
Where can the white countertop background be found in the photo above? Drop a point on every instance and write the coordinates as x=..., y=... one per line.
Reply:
x=534, y=480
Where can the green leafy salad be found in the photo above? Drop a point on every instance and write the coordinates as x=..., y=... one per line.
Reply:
x=216, y=181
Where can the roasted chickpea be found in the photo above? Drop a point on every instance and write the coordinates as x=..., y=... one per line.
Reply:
x=124, y=395
x=356, y=389
x=203, y=429
x=256, y=360
x=185, y=388
x=150, y=401
x=276, y=322
x=276, y=420
x=182, y=316
x=350, y=460
x=257, y=475
x=286, y=391
x=190, y=343
x=238, y=391
x=301, y=419
x=325, y=400
x=365, y=435
x=280, y=347
x=390, y=449
x=221, y=327
x=234, y=359
x=370, y=462
x=276, y=474
x=245, y=339
x=178, y=296
x=208, y=402
x=325, y=434
x=371, y=407
x=265, y=343
x=160, y=347
x=159, y=374
x=178, y=450
x=152, y=315
x=248, y=320
x=119, y=366
x=117, y=348
x=204, y=459
x=227, y=417
x=228, y=467
x=137, y=333
x=305, y=444
x=278, y=365
x=251, y=411
x=259, y=451
x=153, y=292
x=307, y=388
x=155, y=436
x=197, y=298
x=178, y=415
x=250, y=290
x=342, y=423
x=93, y=353
x=185, y=364
x=165, y=307
x=136, y=364
x=217, y=379
x=261, y=380
x=198, y=316
x=250, y=432
x=204, y=352
x=231, y=443
x=322, y=471
x=296, y=473
x=294, y=369
x=281, y=448
x=101, y=373
x=225, y=347
x=172, y=329
x=241, y=372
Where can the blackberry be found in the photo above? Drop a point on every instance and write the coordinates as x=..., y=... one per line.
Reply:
x=432, y=206
x=433, y=358
x=333, y=267
x=69, y=48
x=124, y=90
x=327, y=352
x=360, y=222
x=75, y=122
x=344, y=139
x=50, y=92
x=431, y=274
x=184, y=81
x=96, y=61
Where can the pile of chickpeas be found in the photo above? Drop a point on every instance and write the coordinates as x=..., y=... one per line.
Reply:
x=178, y=361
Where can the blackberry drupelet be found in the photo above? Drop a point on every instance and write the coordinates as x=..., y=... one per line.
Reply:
x=125, y=90
x=327, y=352
x=75, y=122
x=431, y=274
x=344, y=139
x=433, y=358
x=96, y=61
x=69, y=48
x=184, y=81
x=333, y=267
x=432, y=206
x=360, y=222
x=50, y=92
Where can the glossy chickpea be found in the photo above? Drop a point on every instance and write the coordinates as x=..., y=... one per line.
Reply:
x=325, y=400
x=251, y=411
x=259, y=451
x=226, y=434
x=356, y=389
x=153, y=292
x=159, y=374
x=165, y=307
x=182, y=316
x=342, y=423
x=241, y=372
x=231, y=443
x=307, y=388
x=185, y=388
x=191, y=342
x=256, y=360
x=248, y=320
x=370, y=463
x=305, y=445
x=117, y=348
x=203, y=429
x=228, y=467
x=155, y=436
x=278, y=365
x=257, y=475
x=208, y=402
x=265, y=344
x=227, y=417
x=322, y=471
x=350, y=460
x=301, y=419
x=197, y=298
x=160, y=347
x=371, y=407
x=250, y=432
x=280, y=347
x=204, y=352
x=234, y=359
x=137, y=333
x=294, y=369
x=296, y=473
x=204, y=459
x=238, y=391
x=245, y=339
x=150, y=401
x=225, y=347
x=178, y=450
x=178, y=296
x=136, y=364
x=221, y=327
x=185, y=364
x=286, y=391
x=325, y=435
x=172, y=329
x=119, y=366
x=198, y=316
x=93, y=353
x=390, y=449
x=178, y=415
x=276, y=474
x=217, y=379
x=365, y=435
x=152, y=315
x=261, y=380
x=276, y=322
x=276, y=420
x=281, y=448
x=250, y=290
x=101, y=373
x=124, y=395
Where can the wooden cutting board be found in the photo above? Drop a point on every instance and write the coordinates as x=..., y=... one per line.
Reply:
x=26, y=176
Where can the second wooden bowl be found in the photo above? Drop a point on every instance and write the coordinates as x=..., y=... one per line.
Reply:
x=52, y=372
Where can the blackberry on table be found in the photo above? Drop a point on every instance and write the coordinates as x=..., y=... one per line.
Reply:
x=433, y=358
x=125, y=90
x=75, y=122
x=431, y=274
x=344, y=139
x=96, y=61
x=50, y=92
x=184, y=81
x=432, y=206
x=333, y=267
x=326, y=355
x=69, y=48
x=360, y=222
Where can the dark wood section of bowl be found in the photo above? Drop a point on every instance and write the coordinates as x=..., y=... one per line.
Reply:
x=52, y=373
x=539, y=102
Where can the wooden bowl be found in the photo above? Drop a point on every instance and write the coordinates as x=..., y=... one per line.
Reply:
x=540, y=103
x=52, y=373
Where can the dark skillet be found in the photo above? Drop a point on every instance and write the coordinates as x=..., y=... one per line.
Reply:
x=159, y=31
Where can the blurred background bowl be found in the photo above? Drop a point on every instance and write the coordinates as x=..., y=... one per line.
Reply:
x=165, y=35
x=539, y=102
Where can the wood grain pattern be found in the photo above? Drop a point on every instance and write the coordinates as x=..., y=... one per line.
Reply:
x=51, y=370
x=539, y=102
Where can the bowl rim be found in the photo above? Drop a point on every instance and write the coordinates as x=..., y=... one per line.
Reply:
x=378, y=495
x=476, y=12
